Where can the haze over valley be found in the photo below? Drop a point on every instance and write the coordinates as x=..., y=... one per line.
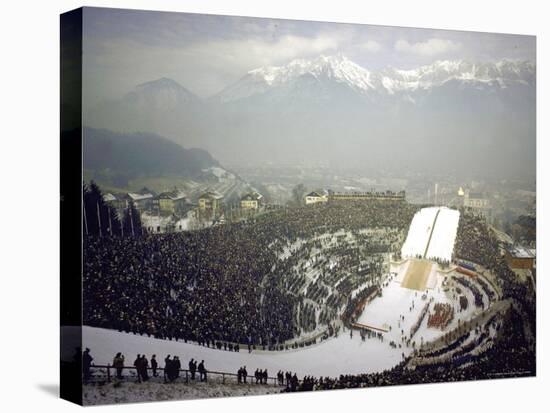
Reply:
x=331, y=111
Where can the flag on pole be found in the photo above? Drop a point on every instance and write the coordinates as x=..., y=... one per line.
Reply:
x=85, y=220
x=110, y=226
x=98, y=219
x=131, y=219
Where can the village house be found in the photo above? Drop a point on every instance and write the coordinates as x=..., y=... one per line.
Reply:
x=316, y=197
x=519, y=257
x=478, y=203
x=252, y=200
x=173, y=202
x=142, y=200
x=211, y=202
x=115, y=201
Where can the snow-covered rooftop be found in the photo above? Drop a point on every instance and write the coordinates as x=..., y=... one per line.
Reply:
x=139, y=197
x=519, y=251
x=108, y=197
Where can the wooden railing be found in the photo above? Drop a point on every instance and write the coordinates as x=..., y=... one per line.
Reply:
x=110, y=373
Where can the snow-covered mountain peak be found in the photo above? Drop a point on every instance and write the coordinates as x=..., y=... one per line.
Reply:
x=389, y=81
x=337, y=67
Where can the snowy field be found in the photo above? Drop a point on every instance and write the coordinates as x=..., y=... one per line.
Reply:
x=443, y=236
x=331, y=357
x=396, y=311
x=157, y=391
x=396, y=301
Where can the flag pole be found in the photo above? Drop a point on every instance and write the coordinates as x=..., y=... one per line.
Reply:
x=110, y=226
x=85, y=219
x=131, y=218
x=98, y=219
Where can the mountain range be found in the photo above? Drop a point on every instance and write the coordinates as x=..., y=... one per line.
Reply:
x=128, y=156
x=332, y=109
x=390, y=81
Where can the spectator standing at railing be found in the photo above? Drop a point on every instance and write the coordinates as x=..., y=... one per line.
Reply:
x=86, y=364
x=170, y=369
x=167, y=363
x=192, y=368
x=202, y=371
x=176, y=365
x=154, y=365
x=143, y=366
x=137, y=365
x=294, y=382
x=245, y=374
x=240, y=375
x=264, y=376
x=118, y=364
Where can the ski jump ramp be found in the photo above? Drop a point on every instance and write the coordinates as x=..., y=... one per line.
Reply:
x=417, y=275
x=432, y=234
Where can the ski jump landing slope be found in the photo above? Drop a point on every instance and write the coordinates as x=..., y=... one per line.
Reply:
x=335, y=356
x=432, y=234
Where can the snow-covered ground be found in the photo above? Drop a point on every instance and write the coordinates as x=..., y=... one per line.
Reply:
x=396, y=310
x=157, y=391
x=396, y=301
x=331, y=357
x=169, y=223
x=419, y=232
x=220, y=173
x=443, y=236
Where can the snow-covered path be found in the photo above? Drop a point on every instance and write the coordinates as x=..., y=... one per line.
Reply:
x=331, y=357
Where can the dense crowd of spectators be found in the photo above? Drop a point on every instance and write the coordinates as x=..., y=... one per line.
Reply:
x=225, y=283
x=507, y=358
x=183, y=285
x=442, y=315
x=476, y=242
x=478, y=297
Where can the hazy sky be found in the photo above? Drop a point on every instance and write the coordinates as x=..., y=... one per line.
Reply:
x=205, y=53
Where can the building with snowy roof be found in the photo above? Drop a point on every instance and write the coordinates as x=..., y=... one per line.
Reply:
x=520, y=257
x=210, y=201
x=142, y=200
x=251, y=200
x=478, y=202
x=316, y=197
x=116, y=201
x=173, y=202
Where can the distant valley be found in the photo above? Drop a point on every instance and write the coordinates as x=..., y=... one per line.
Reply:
x=479, y=113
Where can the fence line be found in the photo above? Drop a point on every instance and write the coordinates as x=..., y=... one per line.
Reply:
x=224, y=375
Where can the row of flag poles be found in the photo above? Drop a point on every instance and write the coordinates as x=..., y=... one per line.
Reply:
x=110, y=223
